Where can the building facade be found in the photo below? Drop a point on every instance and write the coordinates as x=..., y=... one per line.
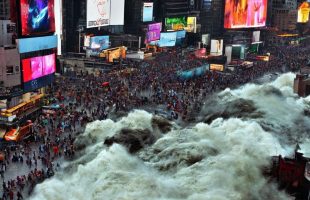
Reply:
x=4, y=9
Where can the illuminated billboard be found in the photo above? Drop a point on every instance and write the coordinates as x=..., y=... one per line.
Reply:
x=180, y=37
x=26, y=45
x=245, y=13
x=176, y=23
x=153, y=33
x=38, y=71
x=217, y=67
x=191, y=24
x=98, y=13
x=99, y=42
x=167, y=39
x=216, y=47
x=117, y=12
x=37, y=17
x=256, y=36
x=303, y=12
x=58, y=24
x=87, y=41
x=205, y=38
x=147, y=12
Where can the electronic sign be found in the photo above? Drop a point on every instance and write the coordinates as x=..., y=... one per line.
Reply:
x=147, y=12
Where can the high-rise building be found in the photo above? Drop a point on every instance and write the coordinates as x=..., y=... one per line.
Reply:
x=212, y=17
x=4, y=9
x=284, y=15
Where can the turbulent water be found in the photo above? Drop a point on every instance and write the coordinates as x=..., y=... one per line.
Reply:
x=219, y=157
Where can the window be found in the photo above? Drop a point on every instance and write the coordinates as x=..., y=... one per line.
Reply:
x=9, y=70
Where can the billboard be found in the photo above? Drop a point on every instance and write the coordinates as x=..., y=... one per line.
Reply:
x=167, y=39
x=153, y=33
x=303, y=12
x=117, y=12
x=87, y=41
x=98, y=13
x=228, y=52
x=147, y=12
x=245, y=13
x=191, y=24
x=37, y=17
x=37, y=67
x=176, y=23
x=216, y=47
x=99, y=42
x=256, y=36
x=180, y=37
x=26, y=45
x=58, y=24
x=205, y=38
x=217, y=67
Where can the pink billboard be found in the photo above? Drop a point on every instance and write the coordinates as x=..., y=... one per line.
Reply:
x=37, y=67
x=153, y=33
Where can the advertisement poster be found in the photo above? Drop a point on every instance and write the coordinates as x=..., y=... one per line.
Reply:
x=205, y=39
x=147, y=11
x=167, y=39
x=245, y=13
x=153, y=33
x=217, y=67
x=99, y=42
x=303, y=12
x=37, y=17
x=256, y=36
x=98, y=13
x=191, y=24
x=176, y=23
x=216, y=47
x=36, y=67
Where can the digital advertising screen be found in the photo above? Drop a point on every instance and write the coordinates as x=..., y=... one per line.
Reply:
x=217, y=67
x=37, y=17
x=216, y=47
x=36, y=67
x=245, y=13
x=167, y=39
x=87, y=41
x=256, y=36
x=191, y=24
x=205, y=38
x=117, y=12
x=98, y=13
x=26, y=45
x=99, y=42
x=147, y=11
x=303, y=12
x=176, y=23
x=228, y=52
x=180, y=37
x=153, y=33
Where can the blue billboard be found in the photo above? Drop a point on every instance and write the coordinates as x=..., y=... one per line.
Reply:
x=147, y=11
x=167, y=39
x=37, y=44
x=99, y=42
x=180, y=37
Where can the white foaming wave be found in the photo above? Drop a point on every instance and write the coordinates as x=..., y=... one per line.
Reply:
x=232, y=153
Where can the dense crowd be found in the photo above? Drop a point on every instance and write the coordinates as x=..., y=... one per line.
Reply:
x=87, y=97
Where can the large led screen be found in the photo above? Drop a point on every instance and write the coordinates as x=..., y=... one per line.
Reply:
x=176, y=23
x=37, y=17
x=147, y=12
x=99, y=42
x=245, y=13
x=167, y=39
x=303, y=12
x=153, y=33
x=98, y=13
x=36, y=67
x=26, y=45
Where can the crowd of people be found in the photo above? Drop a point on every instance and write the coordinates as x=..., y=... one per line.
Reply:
x=85, y=97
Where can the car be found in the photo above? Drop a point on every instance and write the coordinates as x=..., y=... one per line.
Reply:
x=19, y=133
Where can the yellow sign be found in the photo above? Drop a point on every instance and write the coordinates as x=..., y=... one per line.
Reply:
x=303, y=12
x=217, y=67
x=191, y=24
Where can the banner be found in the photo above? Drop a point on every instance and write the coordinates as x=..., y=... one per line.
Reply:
x=153, y=33
x=216, y=47
x=147, y=12
x=167, y=39
x=98, y=13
